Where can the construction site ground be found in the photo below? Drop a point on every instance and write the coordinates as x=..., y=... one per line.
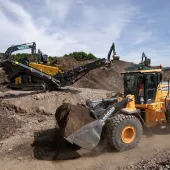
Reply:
x=30, y=140
x=29, y=135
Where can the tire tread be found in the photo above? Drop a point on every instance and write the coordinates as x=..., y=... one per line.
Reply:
x=112, y=126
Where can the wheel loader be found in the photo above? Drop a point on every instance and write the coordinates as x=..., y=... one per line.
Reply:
x=121, y=119
x=34, y=73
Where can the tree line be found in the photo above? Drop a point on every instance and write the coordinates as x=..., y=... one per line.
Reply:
x=79, y=56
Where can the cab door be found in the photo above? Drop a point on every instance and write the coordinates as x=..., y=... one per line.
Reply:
x=151, y=82
x=130, y=85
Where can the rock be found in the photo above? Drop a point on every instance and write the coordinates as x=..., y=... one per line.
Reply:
x=20, y=158
x=41, y=110
x=167, y=166
x=41, y=119
x=18, y=109
x=132, y=166
x=36, y=97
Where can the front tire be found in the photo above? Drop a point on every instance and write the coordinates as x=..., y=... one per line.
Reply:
x=124, y=132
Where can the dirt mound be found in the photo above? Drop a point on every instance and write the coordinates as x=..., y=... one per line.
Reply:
x=166, y=76
x=65, y=63
x=72, y=117
x=69, y=62
x=109, y=79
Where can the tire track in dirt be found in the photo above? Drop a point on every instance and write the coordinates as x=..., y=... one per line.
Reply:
x=98, y=160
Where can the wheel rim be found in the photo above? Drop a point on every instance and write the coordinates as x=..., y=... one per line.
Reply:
x=128, y=134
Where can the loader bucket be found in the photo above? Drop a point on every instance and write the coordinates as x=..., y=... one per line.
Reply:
x=88, y=136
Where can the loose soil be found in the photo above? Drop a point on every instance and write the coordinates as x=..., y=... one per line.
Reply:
x=33, y=140
x=72, y=117
x=8, y=124
x=28, y=126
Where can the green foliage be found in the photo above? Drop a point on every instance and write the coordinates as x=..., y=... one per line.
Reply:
x=25, y=55
x=51, y=59
x=90, y=56
x=81, y=56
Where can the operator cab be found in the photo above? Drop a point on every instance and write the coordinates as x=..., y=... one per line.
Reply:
x=44, y=58
x=141, y=81
x=142, y=85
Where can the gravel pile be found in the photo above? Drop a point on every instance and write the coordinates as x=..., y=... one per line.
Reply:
x=159, y=161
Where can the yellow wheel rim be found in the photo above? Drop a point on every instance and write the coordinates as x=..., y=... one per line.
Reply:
x=128, y=134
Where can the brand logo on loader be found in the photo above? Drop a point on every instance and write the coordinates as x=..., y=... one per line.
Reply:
x=107, y=114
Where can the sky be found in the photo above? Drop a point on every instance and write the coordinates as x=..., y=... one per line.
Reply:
x=63, y=26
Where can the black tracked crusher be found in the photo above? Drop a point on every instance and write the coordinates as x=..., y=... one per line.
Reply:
x=26, y=75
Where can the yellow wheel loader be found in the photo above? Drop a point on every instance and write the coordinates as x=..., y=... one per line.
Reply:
x=145, y=103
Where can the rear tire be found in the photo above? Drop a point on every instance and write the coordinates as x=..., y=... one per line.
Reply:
x=124, y=132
